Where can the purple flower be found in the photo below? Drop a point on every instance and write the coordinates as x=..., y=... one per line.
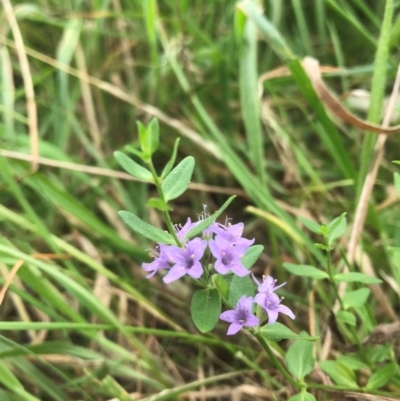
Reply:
x=160, y=261
x=240, y=316
x=182, y=231
x=185, y=260
x=228, y=256
x=267, y=285
x=271, y=304
x=232, y=233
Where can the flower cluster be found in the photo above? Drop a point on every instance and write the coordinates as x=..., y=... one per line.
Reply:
x=226, y=248
x=266, y=298
x=225, y=243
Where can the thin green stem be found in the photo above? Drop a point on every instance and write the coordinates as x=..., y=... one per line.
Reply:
x=277, y=363
x=167, y=217
x=339, y=298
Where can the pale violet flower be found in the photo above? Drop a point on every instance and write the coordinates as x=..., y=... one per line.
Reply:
x=267, y=284
x=160, y=261
x=185, y=260
x=228, y=256
x=241, y=316
x=271, y=304
x=232, y=233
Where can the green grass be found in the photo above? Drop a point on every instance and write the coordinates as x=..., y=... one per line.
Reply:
x=87, y=325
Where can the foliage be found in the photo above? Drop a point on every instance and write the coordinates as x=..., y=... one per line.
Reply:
x=79, y=320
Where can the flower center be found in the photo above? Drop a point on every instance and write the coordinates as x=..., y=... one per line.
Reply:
x=242, y=315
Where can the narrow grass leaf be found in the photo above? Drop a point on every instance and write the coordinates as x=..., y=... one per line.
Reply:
x=8, y=379
x=378, y=85
x=250, y=105
x=328, y=132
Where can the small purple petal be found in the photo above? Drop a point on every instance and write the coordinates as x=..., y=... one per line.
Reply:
x=220, y=267
x=252, y=321
x=175, y=273
x=228, y=316
x=239, y=269
x=272, y=316
x=260, y=299
x=234, y=328
x=285, y=310
x=246, y=302
x=241, y=315
x=196, y=270
x=196, y=247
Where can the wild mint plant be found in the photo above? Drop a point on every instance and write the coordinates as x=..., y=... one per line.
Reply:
x=217, y=258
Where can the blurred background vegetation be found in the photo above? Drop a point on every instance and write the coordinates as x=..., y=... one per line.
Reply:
x=80, y=321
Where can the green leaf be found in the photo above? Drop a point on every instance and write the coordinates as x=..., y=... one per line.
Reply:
x=346, y=317
x=145, y=229
x=142, y=137
x=199, y=228
x=239, y=24
x=221, y=284
x=379, y=378
x=249, y=102
x=251, y=256
x=321, y=246
x=152, y=136
x=171, y=161
x=397, y=183
x=311, y=225
x=277, y=332
x=305, y=271
x=380, y=352
x=133, y=168
x=133, y=150
x=302, y=396
x=339, y=373
x=177, y=181
x=300, y=359
x=206, y=309
x=157, y=203
x=351, y=361
x=355, y=277
x=336, y=228
x=8, y=379
x=353, y=299
x=240, y=286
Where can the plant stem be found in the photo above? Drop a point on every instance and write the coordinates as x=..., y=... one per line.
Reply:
x=277, y=363
x=339, y=298
x=165, y=213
